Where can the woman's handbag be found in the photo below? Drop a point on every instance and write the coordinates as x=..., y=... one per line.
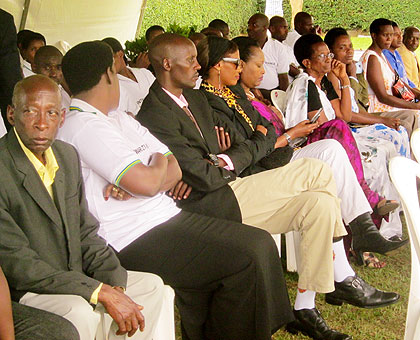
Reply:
x=401, y=90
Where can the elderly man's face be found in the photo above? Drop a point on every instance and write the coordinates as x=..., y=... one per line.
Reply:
x=50, y=67
x=411, y=41
x=37, y=117
x=184, y=65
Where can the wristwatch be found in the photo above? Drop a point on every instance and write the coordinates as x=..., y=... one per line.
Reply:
x=288, y=138
x=213, y=158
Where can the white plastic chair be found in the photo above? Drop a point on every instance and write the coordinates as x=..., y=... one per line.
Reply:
x=415, y=144
x=403, y=173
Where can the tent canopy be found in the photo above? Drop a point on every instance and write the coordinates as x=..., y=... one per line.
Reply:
x=78, y=20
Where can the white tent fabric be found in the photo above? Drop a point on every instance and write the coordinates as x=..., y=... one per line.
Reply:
x=75, y=21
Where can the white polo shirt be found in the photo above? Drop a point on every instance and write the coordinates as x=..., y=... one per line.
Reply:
x=108, y=146
x=133, y=93
x=291, y=38
x=276, y=61
x=26, y=68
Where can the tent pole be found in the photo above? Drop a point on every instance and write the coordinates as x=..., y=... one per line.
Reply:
x=142, y=11
x=24, y=14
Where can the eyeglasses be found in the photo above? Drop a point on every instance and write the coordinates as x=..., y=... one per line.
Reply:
x=324, y=56
x=238, y=62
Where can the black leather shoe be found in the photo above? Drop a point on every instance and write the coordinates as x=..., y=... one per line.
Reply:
x=310, y=323
x=355, y=291
x=366, y=237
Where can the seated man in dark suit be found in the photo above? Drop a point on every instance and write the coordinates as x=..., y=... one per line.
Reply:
x=50, y=252
x=30, y=323
x=299, y=196
x=227, y=276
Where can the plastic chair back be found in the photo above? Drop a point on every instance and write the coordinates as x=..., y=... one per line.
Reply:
x=404, y=173
x=415, y=144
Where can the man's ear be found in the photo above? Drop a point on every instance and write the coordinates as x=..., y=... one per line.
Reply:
x=108, y=75
x=11, y=114
x=166, y=64
x=63, y=117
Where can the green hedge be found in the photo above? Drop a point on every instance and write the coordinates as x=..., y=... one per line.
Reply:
x=358, y=14
x=200, y=12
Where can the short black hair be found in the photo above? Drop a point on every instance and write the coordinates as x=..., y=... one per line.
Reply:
x=375, y=26
x=301, y=17
x=333, y=34
x=31, y=36
x=394, y=24
x=46, y=52
x=84, y=64
x=22, y=35
x=211, y=50
x=151, y=29
x=114, y=43
x=245, y=45
x=303, y=47
x=218, y=24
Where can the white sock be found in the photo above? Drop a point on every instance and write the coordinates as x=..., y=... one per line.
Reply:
x=305, y=300
x=342, y=268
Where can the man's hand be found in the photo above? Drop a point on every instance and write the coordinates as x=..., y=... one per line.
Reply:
x=180, y=191
x=393, y=123
x=223, y=139
x=303, y=129
x=142, y=60
x=116, y=192
x=124, y=311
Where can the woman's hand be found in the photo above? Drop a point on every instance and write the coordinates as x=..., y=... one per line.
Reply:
x=339, y=70
x=262, y=129
x=393, y=123
x=303, y=129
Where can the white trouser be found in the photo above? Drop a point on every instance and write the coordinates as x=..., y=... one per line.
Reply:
x=353, y=200
x=145, y=289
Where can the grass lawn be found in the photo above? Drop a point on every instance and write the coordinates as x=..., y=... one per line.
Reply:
x=386, y=323
x=361, y=42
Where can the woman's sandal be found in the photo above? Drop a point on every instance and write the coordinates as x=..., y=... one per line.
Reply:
x=368, y=260
x=385, y=208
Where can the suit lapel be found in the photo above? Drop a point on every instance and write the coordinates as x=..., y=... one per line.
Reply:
x=182, y=116
x=31, y=180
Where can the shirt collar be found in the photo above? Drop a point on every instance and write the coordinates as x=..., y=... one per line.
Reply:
x=181, y=101
x=51, y=166
x=81, y=105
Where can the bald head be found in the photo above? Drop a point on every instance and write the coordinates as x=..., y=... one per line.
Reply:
x=411, y=38
x=36, y=113
x=166, y=46
x=33, y=84
x=174, y=59
x=47, y=61
x=260, y=18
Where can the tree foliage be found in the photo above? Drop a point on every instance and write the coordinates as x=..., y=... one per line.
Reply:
x=358, y=14
x=200, y=12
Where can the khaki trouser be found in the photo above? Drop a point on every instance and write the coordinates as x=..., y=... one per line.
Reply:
x=408, y=118
x=145, y=289
x=300, y=196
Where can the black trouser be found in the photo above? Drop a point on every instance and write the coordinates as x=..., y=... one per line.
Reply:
x=227, y=276
x=36, y=324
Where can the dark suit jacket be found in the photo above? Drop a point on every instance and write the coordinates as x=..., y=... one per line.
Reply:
x=10, y=72
x=168, y=122
x=49, y=247
x=261, y=146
